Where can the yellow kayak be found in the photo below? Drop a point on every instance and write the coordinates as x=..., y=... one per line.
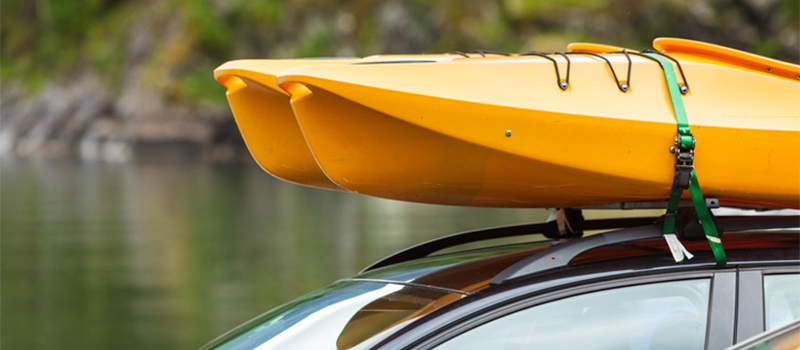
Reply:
x=505, y=132
x=267, y=122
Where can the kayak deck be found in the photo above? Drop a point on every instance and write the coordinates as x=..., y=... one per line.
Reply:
x=503, y=132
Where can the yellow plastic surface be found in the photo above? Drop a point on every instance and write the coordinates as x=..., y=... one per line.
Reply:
x=705, y=52
x=591, y=47
x=265, y=118
x=437, y=132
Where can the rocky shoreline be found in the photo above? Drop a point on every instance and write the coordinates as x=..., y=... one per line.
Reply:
x=81, y=118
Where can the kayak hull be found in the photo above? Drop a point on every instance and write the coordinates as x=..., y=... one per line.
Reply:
x=500, y=133
x=266, y=120
x=267, y=123
x=412, y=163
x=272, y=136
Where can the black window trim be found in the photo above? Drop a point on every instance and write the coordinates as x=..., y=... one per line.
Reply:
x=750, y=304
x=722, y=311
x=503, y=308
x=750, y=308
x=780, y=270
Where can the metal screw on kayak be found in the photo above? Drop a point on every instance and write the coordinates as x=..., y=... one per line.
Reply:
x=563, y=85
x=623, y=87
x=769, y=70
x=508, y=133
x=684, y=89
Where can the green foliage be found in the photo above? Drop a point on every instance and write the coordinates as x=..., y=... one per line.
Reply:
x=47, y=38
x=264, y=13
x=199, y=86
x=790, y=7
x=185, y=39
x=767, y=48
x=212, y=32
x=317, y=44
x=529, y=8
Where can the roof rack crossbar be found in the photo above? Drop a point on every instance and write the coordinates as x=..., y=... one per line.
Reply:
x=424, y=249
x=559, y=256
x=562, y=254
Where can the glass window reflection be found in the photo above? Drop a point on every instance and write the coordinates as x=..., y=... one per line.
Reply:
x=348, y=315
x=781, y=300
x=670, y=315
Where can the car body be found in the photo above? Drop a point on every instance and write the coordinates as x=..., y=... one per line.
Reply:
x=616, y=289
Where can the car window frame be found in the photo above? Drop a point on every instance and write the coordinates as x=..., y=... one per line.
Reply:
x=753, y=342
x=719, y=328
x=750, y=305
x=750, y=301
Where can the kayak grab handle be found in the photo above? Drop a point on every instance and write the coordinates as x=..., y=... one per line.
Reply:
x=231, y=82
x=296, y=90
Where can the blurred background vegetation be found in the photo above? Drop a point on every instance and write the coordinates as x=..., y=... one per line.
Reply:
x=97, y=76
x=165, y=250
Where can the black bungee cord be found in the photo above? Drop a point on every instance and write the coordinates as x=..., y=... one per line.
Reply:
x=564, y=85
x=622, y=87
x=457, y=53
x=685, y=87
x=484, y=52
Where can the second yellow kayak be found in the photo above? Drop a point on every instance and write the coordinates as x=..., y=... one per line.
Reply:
x=502, y=133
x=267, y=122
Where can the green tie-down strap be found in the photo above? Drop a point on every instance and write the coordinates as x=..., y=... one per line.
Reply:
x=706, y=221
x=685, y=143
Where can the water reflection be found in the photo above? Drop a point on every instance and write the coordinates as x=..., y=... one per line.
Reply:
x=167, y=254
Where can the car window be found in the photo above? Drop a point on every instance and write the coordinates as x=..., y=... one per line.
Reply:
x=348, y=315
x=670, y=315
x=781, y=299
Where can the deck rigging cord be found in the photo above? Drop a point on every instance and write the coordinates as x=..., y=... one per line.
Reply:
x=620, y=85
x=563, y=85
x=683, y=88
x=685, y=174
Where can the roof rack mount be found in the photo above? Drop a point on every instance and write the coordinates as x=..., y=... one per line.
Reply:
x=424, y=249
x=559, y=256
x=684, y=203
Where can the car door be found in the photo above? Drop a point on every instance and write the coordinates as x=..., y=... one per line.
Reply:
x=768, y=297
x=690, y=310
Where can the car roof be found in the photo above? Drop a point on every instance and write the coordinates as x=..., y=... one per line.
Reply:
x=473, y=270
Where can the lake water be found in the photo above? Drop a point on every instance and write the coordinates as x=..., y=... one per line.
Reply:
x=169, y=254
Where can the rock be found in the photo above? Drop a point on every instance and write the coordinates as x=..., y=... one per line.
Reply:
x=79, y=117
